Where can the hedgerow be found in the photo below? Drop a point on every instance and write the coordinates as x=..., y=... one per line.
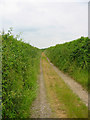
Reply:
x=0, y=77
x=20, y=67
x=72, y=58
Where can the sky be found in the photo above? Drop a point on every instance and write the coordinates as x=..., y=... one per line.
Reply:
x=45, y=23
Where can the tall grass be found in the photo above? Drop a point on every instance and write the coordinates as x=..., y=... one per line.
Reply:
x=72, y=58
x=20, y=66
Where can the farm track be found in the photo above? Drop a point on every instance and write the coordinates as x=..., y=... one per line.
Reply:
x=41, y=107
x=76, y=87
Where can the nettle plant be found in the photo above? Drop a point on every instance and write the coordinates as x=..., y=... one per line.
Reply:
x=20, y=64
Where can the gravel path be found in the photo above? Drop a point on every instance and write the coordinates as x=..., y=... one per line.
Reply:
x=76, y=87
x=41, y=107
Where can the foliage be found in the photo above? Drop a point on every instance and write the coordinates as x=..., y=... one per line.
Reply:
x=60, y=96
x=72, y=57
x=0, y=77
x=20, y=66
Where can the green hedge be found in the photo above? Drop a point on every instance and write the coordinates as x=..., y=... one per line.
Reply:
x=20, y=67
x=72, y=58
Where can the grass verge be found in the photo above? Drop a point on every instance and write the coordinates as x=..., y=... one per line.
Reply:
x=64, y=103
x=72, y=58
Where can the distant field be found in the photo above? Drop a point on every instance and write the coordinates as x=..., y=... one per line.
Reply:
x=72, y=58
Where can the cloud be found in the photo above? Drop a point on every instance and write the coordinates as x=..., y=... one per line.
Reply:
x=45, y=22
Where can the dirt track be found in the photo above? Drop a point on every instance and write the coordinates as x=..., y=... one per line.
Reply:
x=41, y=107
x=76, y=87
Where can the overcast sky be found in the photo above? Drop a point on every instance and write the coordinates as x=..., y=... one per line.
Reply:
x=44, y=23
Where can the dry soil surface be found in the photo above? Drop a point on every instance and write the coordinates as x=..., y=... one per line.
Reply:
x=41, y=107
x=76, y=87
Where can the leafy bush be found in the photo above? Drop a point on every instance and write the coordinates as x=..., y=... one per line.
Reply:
x=20, y=66
x=0, y=77
x=72, y=57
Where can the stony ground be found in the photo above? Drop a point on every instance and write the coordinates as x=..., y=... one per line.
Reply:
x=76, y=87
x=42, y=106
